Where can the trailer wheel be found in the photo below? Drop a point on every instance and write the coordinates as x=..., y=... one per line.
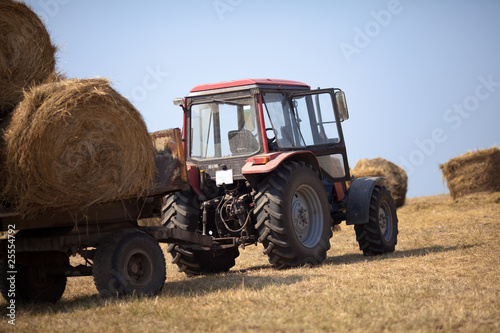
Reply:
x=293, y=216
x=379, y=235
x=33, y=281
x=129, y=262
x=182, y=210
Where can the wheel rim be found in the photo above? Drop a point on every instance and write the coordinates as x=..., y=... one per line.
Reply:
x=138, y=269
x=307, y=216
x=385, y=220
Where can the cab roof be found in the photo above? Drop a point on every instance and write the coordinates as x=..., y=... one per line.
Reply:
x=248, y=82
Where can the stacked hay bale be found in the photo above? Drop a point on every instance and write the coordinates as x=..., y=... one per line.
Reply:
x=472, y=172
x=67, y=143
x=27, y=56
x=396, y=178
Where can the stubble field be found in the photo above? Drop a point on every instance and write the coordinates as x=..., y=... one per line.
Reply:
x=444, y=276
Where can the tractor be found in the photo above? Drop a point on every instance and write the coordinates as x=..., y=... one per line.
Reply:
x=267, y=163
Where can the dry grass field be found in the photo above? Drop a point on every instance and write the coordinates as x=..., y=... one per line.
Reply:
x=444, y=276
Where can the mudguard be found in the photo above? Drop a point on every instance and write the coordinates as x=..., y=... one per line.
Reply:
x=258, y=166
x=358, y=199
x=274, y=160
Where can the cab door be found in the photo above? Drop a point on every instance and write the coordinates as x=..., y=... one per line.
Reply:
x=317, y=115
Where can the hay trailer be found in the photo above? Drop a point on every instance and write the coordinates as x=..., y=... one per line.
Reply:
x=123, y=257
x=267, y=163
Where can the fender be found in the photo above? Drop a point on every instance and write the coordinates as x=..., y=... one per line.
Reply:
x=194, y=177
x=265, y=163
x=258, y=166
x=358, y=199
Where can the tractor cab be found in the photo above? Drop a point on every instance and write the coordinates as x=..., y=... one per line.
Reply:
x=238, y=124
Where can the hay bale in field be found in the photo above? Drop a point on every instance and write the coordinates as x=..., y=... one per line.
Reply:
x=472, y=172
x=396, y=178
x=27, y=56
x=73, y=143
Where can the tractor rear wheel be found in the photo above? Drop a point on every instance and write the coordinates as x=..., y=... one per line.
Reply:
x=182, y=210
x=379, y=235
x=293, y=216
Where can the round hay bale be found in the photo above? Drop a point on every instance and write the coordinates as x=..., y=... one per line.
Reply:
x=472, y=172
x=396, y=178
x=27, y=56
x=73, y=143
x=3, y=168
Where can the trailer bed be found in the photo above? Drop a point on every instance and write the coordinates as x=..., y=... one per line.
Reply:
x=170, y=176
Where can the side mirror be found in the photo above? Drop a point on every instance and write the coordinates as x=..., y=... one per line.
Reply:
x=341, y=105
x=179, y=101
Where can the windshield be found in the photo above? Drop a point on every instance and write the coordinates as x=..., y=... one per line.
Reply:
x=311, y=120
x=224, y=129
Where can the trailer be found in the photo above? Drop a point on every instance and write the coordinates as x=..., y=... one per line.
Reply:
x=123, y=256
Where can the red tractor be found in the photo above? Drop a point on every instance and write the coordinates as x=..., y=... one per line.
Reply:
x=267, y=163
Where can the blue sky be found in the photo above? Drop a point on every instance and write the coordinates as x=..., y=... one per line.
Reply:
x=421, y=77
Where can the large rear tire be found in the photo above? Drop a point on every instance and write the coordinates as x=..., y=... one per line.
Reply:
x=379, y=235
x=129, y=262
x=182, y=210
x=293, y=216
